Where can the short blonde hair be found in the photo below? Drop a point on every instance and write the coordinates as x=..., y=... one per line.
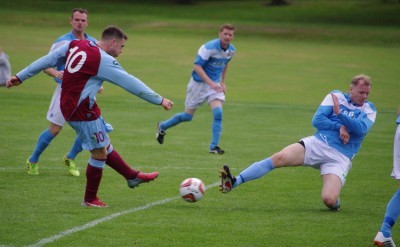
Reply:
x=361, y=77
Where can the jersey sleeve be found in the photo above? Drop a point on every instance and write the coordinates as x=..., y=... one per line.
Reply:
x=50, y=60
x=111, y=71
x=202, y=56
x=323, y=117
x=362, y=123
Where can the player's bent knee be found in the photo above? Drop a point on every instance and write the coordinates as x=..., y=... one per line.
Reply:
x=279, y=159
x=186, y=117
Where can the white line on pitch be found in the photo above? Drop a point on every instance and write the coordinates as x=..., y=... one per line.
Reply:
x=104, y=219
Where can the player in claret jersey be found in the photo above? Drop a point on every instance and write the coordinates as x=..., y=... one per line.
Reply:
x=87, y=65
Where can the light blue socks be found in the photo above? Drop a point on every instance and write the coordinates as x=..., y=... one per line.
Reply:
x=76, y=148
x=43, y=141
x=256, y=170
x=176, y=119
x=392, y=213
x=216, y=127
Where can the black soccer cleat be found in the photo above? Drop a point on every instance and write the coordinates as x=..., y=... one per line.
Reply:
x=160, y=134
x=216, y=150
x=227, y=180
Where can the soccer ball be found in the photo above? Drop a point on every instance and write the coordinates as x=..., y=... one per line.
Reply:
x=192, y=189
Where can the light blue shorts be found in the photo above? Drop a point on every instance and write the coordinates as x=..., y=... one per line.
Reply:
x=93, y=134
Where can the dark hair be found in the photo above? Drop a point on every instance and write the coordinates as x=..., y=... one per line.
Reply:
x=80, y=10
x=113, y=32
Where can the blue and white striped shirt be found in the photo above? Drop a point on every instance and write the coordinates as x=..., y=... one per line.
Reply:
x=357, y=119
x=213, y=59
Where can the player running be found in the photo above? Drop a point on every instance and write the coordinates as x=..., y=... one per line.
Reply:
x=206, y=84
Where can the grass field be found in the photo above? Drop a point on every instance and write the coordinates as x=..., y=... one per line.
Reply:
x=288, y=59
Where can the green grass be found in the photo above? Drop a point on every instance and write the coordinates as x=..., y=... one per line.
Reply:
x=288, y=59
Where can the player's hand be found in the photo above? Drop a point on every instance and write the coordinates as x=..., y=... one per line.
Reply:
x=100, y=91
x=13, y=81
x=217, y=87
x=167, y=104
x=59, y=75
x=223, y=87
x=344, y=134
x=336, y=107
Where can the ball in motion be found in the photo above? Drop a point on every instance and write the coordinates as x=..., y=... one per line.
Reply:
x=192, y=189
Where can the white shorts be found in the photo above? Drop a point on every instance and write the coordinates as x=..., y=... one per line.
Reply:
x=325, y=158
x=54, y=114
x=199, y=92
x=396, y=154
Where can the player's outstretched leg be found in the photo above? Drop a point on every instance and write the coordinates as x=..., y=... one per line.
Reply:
x=133, y=177
x=227, y=180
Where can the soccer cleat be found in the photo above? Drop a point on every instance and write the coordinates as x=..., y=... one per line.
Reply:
x=227, y=180
x=380, y=240
x=216, y=150
x=142, y=178
x=33, y=169
x=96, y=203
x=160, y=134
x=71, y=166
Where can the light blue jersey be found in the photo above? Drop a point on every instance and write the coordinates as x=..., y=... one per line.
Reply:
x=64, y=39
x=213, y=59
x=357, y=119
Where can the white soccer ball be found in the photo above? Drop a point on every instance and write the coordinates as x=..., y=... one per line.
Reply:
x=192, y=189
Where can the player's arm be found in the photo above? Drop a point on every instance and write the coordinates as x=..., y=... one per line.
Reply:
x=201, y=59
x=323, y=117
x=223, y=75
x=50, y=60
x=118, y=76
x=203, y=75
x=54, y=73
x=360, y=125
